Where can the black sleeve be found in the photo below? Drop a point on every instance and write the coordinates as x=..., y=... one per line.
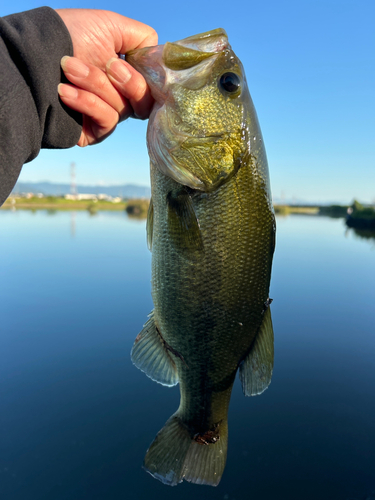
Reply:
x=31, y=114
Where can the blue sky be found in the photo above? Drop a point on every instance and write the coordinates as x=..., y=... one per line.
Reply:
x=310, y=67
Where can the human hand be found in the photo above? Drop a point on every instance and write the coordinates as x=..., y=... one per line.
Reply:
x=98, y=37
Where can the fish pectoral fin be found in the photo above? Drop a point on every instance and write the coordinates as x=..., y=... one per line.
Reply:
x=183, y=225
x=150, y=354
x=256, y=369
x=150, y=224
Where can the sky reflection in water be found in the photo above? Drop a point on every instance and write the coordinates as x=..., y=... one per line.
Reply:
x=77, y=418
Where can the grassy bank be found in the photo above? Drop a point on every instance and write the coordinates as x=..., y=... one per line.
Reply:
x=335, y=211
x=292, y=209
x=134, y=207
x=56, y=203
x=361, y=217
x=137, y=208
x=357, y=215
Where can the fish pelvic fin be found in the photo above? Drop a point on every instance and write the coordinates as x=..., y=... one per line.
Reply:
x=256, y=369
x=151, y=355
x=178, y=454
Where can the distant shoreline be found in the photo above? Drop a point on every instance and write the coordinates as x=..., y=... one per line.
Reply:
x=355, y=215
x=58, y=203
x=134, y=207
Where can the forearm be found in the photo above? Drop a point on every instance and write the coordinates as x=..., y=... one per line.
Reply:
x=31, y=115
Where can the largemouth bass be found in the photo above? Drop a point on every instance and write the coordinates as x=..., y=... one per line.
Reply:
x=211, y=229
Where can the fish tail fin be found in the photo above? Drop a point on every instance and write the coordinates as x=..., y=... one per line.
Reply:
x=176, y=454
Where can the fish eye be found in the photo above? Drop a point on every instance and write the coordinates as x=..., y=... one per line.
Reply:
x=230, y=82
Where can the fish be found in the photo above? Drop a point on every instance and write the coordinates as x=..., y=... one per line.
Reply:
x=211, y=230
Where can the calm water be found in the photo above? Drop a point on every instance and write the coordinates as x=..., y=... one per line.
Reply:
x=76, y=417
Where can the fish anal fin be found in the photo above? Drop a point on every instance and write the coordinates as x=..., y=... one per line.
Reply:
x=183, y=225
x=256, y=369
x=150, y=354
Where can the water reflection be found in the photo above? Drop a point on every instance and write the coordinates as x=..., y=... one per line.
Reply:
x=363, y=234
x=76, y=415
x=73, y=224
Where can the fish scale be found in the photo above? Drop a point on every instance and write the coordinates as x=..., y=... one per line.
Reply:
x=211, y=227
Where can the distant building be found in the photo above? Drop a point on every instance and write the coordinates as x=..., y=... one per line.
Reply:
x=104, y=197
x=81, y=197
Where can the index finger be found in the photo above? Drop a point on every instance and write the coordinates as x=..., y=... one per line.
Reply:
x=131, y=85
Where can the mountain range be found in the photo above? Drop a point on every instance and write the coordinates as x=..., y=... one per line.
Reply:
x=52, y=189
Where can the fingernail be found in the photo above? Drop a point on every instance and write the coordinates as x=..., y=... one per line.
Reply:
x=67, y=91
x=75, y=67
x=117, y=69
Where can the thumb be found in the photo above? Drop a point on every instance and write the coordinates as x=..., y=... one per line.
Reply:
x=134, y=35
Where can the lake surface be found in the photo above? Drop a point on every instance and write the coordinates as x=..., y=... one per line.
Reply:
x=76, y=417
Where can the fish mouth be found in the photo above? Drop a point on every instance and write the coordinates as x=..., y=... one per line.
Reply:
x=210, y=41
x=187, y=62
x=154, y=62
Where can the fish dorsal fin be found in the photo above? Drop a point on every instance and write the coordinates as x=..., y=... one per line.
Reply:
x=150, y=224
x=256, y=369
x=183, y=224
x=150, y=354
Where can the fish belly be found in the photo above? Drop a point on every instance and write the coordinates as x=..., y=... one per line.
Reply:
x=209, y=303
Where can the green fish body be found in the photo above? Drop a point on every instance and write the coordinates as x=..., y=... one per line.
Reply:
x=211, y=229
